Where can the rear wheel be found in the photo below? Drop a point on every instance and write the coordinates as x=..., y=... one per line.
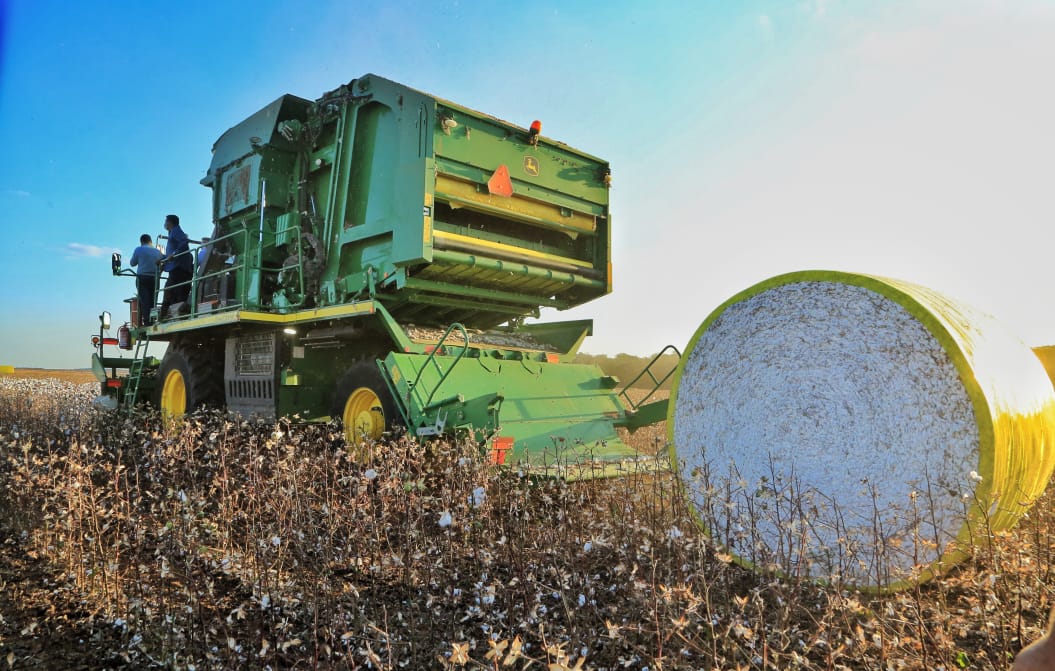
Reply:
x=364, y=404
x=189, y=377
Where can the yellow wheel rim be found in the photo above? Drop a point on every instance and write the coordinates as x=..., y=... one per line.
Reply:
x=363, y=418
x=174, y=394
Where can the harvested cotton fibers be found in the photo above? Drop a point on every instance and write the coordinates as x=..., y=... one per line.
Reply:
x=857, y=429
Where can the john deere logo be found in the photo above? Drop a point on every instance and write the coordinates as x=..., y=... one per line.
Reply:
x=531, y=166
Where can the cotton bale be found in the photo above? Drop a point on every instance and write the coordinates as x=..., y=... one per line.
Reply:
x=857, y=429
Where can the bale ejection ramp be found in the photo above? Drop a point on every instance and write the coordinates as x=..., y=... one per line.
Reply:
x=858, y=429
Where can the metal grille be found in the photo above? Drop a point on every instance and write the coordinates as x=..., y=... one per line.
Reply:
x=250, y=389
x=255, y=355
x=249, y=374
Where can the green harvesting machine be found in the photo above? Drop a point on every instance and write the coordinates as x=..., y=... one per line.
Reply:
x=374, y=257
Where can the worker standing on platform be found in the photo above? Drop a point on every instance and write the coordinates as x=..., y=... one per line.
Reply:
x=203, y=252
x=178, y=263
x=145, y=258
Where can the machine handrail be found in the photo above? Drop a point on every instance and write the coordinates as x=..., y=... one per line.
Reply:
x=193, y=282
x=197, y=276
x=412, y=389
x=657, y=383
x=299, y=265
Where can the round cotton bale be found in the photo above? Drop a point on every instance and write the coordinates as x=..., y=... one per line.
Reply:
x=857, y=429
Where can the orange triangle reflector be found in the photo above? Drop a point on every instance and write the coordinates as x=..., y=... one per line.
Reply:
x=500, y=184
x=500, y=447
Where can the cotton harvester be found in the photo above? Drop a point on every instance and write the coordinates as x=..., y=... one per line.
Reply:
x=374, y=256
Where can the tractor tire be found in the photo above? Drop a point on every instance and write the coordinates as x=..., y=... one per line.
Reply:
x=189, y=377
x=364, y=404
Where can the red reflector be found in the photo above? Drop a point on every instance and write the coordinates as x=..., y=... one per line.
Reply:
x=500, y=184
x=500, y=446
x=552, y=358
x=109, y=341
x=113, y=383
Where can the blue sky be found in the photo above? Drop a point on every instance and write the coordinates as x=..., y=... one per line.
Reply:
x=747, y=139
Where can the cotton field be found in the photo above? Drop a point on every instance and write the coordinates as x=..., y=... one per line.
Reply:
x=219, y=542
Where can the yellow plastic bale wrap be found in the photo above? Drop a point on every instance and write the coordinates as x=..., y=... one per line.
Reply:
x=857, y=429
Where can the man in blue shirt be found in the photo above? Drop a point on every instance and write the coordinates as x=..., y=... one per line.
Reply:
x=146, y=257
x=179, y=264
x=203, y=251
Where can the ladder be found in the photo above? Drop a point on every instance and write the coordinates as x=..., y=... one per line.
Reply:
x=135, y=370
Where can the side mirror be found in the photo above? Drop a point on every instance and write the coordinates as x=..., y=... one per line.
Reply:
x=104, y=320
x=115, y=263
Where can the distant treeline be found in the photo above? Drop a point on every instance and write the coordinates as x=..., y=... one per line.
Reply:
x=627, y=367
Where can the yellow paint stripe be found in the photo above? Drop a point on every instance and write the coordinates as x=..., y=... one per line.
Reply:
x=427, y=235
x=519, y=207
x=255, y=317
x=484, y=245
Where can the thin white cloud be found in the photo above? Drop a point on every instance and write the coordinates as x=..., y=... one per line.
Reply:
x=76, y=250
x=765, y=24
x=17, y=192
x=814, y=8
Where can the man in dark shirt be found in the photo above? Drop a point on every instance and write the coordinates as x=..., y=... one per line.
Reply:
x=146, y=258
x=178, y=263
